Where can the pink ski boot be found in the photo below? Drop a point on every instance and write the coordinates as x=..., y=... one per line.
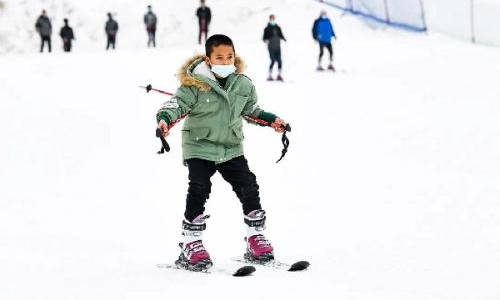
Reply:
x=258, y=247
x=194, y=256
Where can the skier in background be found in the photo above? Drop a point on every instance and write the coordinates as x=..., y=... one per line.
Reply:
x=44, y=28
x=273, y=36
x=210, y=145
x=111, y=29
x=204, y=17
x=150, y=21
x=323, y=32
x=67, y=36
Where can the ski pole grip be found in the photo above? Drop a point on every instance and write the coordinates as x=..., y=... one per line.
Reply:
x=164, y=145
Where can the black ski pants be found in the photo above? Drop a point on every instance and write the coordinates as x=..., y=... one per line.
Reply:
x=111, y=41
x=275, y=56
x=46, y=39
x=234, y=171
x=67, y=45
x=202, y=30
x=151, y=37
x=328, y=46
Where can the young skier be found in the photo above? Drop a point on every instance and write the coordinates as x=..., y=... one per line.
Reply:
x=215, y=96
x=323, y=32
x=67, y=36
x=273, y=36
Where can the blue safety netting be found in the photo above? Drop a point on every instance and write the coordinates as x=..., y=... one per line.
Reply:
x=407, y=14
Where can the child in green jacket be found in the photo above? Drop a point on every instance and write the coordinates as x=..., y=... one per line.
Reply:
x=215, y=96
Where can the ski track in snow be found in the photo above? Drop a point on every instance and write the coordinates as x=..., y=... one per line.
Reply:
x=389, y=188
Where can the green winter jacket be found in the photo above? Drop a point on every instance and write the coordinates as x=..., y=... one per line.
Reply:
x=213, y=126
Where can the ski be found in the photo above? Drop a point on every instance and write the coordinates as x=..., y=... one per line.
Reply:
x=301, y=265
x=240, y=272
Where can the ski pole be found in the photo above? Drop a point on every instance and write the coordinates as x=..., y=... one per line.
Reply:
x=150, y=88
x=159, y=134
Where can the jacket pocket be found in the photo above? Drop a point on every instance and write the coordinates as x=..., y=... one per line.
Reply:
x=200, y=133
x=236, y=135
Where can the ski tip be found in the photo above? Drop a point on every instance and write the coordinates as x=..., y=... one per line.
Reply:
x=299, y=266
x=244, y=271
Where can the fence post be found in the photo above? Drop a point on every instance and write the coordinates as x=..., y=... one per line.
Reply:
x=387, y=19
x=348, y=5
x=472, y=29
x=422, y=9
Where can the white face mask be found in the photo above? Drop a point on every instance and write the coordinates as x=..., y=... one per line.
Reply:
x=272, y=22
x=223, y=70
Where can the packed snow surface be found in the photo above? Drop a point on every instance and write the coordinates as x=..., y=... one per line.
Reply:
x=390, y=187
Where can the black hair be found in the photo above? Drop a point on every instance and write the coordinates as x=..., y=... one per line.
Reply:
x=217, y=40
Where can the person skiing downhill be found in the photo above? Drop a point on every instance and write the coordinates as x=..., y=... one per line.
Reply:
x=323, y=32
x=111, y=29
x=67, y=36
x=44, y=28
x=273, y=36
x=215, y=96
x=204, y=15
x=150, y=21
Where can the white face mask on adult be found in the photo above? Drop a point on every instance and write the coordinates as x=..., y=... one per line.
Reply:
x=223, y=70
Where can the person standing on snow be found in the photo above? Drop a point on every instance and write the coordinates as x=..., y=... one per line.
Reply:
x=323, y=32
x=67, y=36
x=150, y=21
x=111, y=29
x=215, y=96
x=273, y=36
x=44, y=28
x=204, y=17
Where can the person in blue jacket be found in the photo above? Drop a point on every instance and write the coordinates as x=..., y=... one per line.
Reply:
x=323, y=32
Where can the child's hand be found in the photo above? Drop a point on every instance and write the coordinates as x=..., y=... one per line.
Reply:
x=278, y=125
x=164, y=128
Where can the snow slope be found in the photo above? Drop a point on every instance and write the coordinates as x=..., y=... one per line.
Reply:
x=390, y=187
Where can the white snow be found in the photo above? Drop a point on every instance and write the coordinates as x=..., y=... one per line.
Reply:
x=390, y=187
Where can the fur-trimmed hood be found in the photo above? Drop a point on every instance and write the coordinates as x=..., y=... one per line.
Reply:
x=197, y=66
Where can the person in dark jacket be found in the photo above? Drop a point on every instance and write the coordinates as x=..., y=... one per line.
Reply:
x=273, y=36
x=44, y=28
x=150, y=21
x=204, y=17
x=111, y=29
x=323, y=32
x=67, y=36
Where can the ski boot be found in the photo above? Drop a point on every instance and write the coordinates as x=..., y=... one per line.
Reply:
x=279, y=78
x=194, y=256
x=319, y=68
x=330, y=67
x=270, y=78
x=259, y=250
